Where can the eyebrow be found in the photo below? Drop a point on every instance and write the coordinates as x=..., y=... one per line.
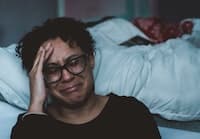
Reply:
x=65, y=60
x=71, y=57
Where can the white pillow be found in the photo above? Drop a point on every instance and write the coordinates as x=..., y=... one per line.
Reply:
x=14, y=83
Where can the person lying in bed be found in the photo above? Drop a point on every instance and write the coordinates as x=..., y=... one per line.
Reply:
x=59, y=57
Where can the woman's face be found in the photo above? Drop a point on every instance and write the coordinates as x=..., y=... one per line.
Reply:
x=72, y=90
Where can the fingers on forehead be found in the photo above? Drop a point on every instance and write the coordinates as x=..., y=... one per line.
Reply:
x=46, y=45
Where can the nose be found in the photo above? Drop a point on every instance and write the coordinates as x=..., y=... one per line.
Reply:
x=66, y=75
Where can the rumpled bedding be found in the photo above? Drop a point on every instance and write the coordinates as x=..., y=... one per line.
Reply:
x=8, y=119
x=165, y=76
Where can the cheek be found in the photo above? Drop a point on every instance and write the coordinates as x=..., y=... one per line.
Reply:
x=89, y=80
x=52, y=89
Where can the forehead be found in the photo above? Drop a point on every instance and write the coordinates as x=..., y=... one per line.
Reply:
x=63, y=50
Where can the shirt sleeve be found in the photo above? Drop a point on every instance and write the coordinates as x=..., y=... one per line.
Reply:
x=30, y=126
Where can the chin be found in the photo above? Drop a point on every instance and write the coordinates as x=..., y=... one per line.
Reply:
x=74, y=104
x=73, y=101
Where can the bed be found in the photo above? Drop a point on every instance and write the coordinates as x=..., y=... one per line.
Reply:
x=163, y=73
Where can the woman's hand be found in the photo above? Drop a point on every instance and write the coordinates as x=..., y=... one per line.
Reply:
x=37, y=84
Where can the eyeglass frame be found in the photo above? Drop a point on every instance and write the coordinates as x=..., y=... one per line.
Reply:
x=65, y=67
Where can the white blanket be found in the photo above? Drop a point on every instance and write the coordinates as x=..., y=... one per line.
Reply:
x=166, y=76
x=8, y=118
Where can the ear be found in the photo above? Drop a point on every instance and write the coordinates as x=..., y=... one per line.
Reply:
x=91, y=60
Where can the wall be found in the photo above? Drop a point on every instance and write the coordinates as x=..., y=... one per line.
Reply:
x=95, y=9
x=173, y=10
x=176, y=10
x=19, y=16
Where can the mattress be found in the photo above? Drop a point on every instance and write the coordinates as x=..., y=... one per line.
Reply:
x=193, y=125
x=172, y=133
x=171, y=129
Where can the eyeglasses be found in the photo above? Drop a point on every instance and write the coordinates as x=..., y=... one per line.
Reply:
x=53, y=72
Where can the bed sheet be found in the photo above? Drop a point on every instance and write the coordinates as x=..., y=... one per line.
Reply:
x=159, y=75
x=9, y=115
x=172, y=133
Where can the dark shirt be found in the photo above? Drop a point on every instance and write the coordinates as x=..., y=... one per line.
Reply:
x=121, y=118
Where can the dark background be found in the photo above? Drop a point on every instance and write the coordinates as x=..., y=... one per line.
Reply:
x=178, y=9
x=18, y=16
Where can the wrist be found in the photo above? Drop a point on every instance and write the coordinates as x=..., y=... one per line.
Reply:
x=33, y=113
x=36, y=107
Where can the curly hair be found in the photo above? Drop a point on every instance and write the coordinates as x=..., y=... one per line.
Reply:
x=68, y=29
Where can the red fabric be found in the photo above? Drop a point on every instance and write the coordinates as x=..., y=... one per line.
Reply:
x=159, y=30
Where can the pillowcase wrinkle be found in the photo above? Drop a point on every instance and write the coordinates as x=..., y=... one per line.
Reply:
x=14, y=81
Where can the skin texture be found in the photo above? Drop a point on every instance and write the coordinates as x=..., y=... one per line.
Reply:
x=74, y=100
